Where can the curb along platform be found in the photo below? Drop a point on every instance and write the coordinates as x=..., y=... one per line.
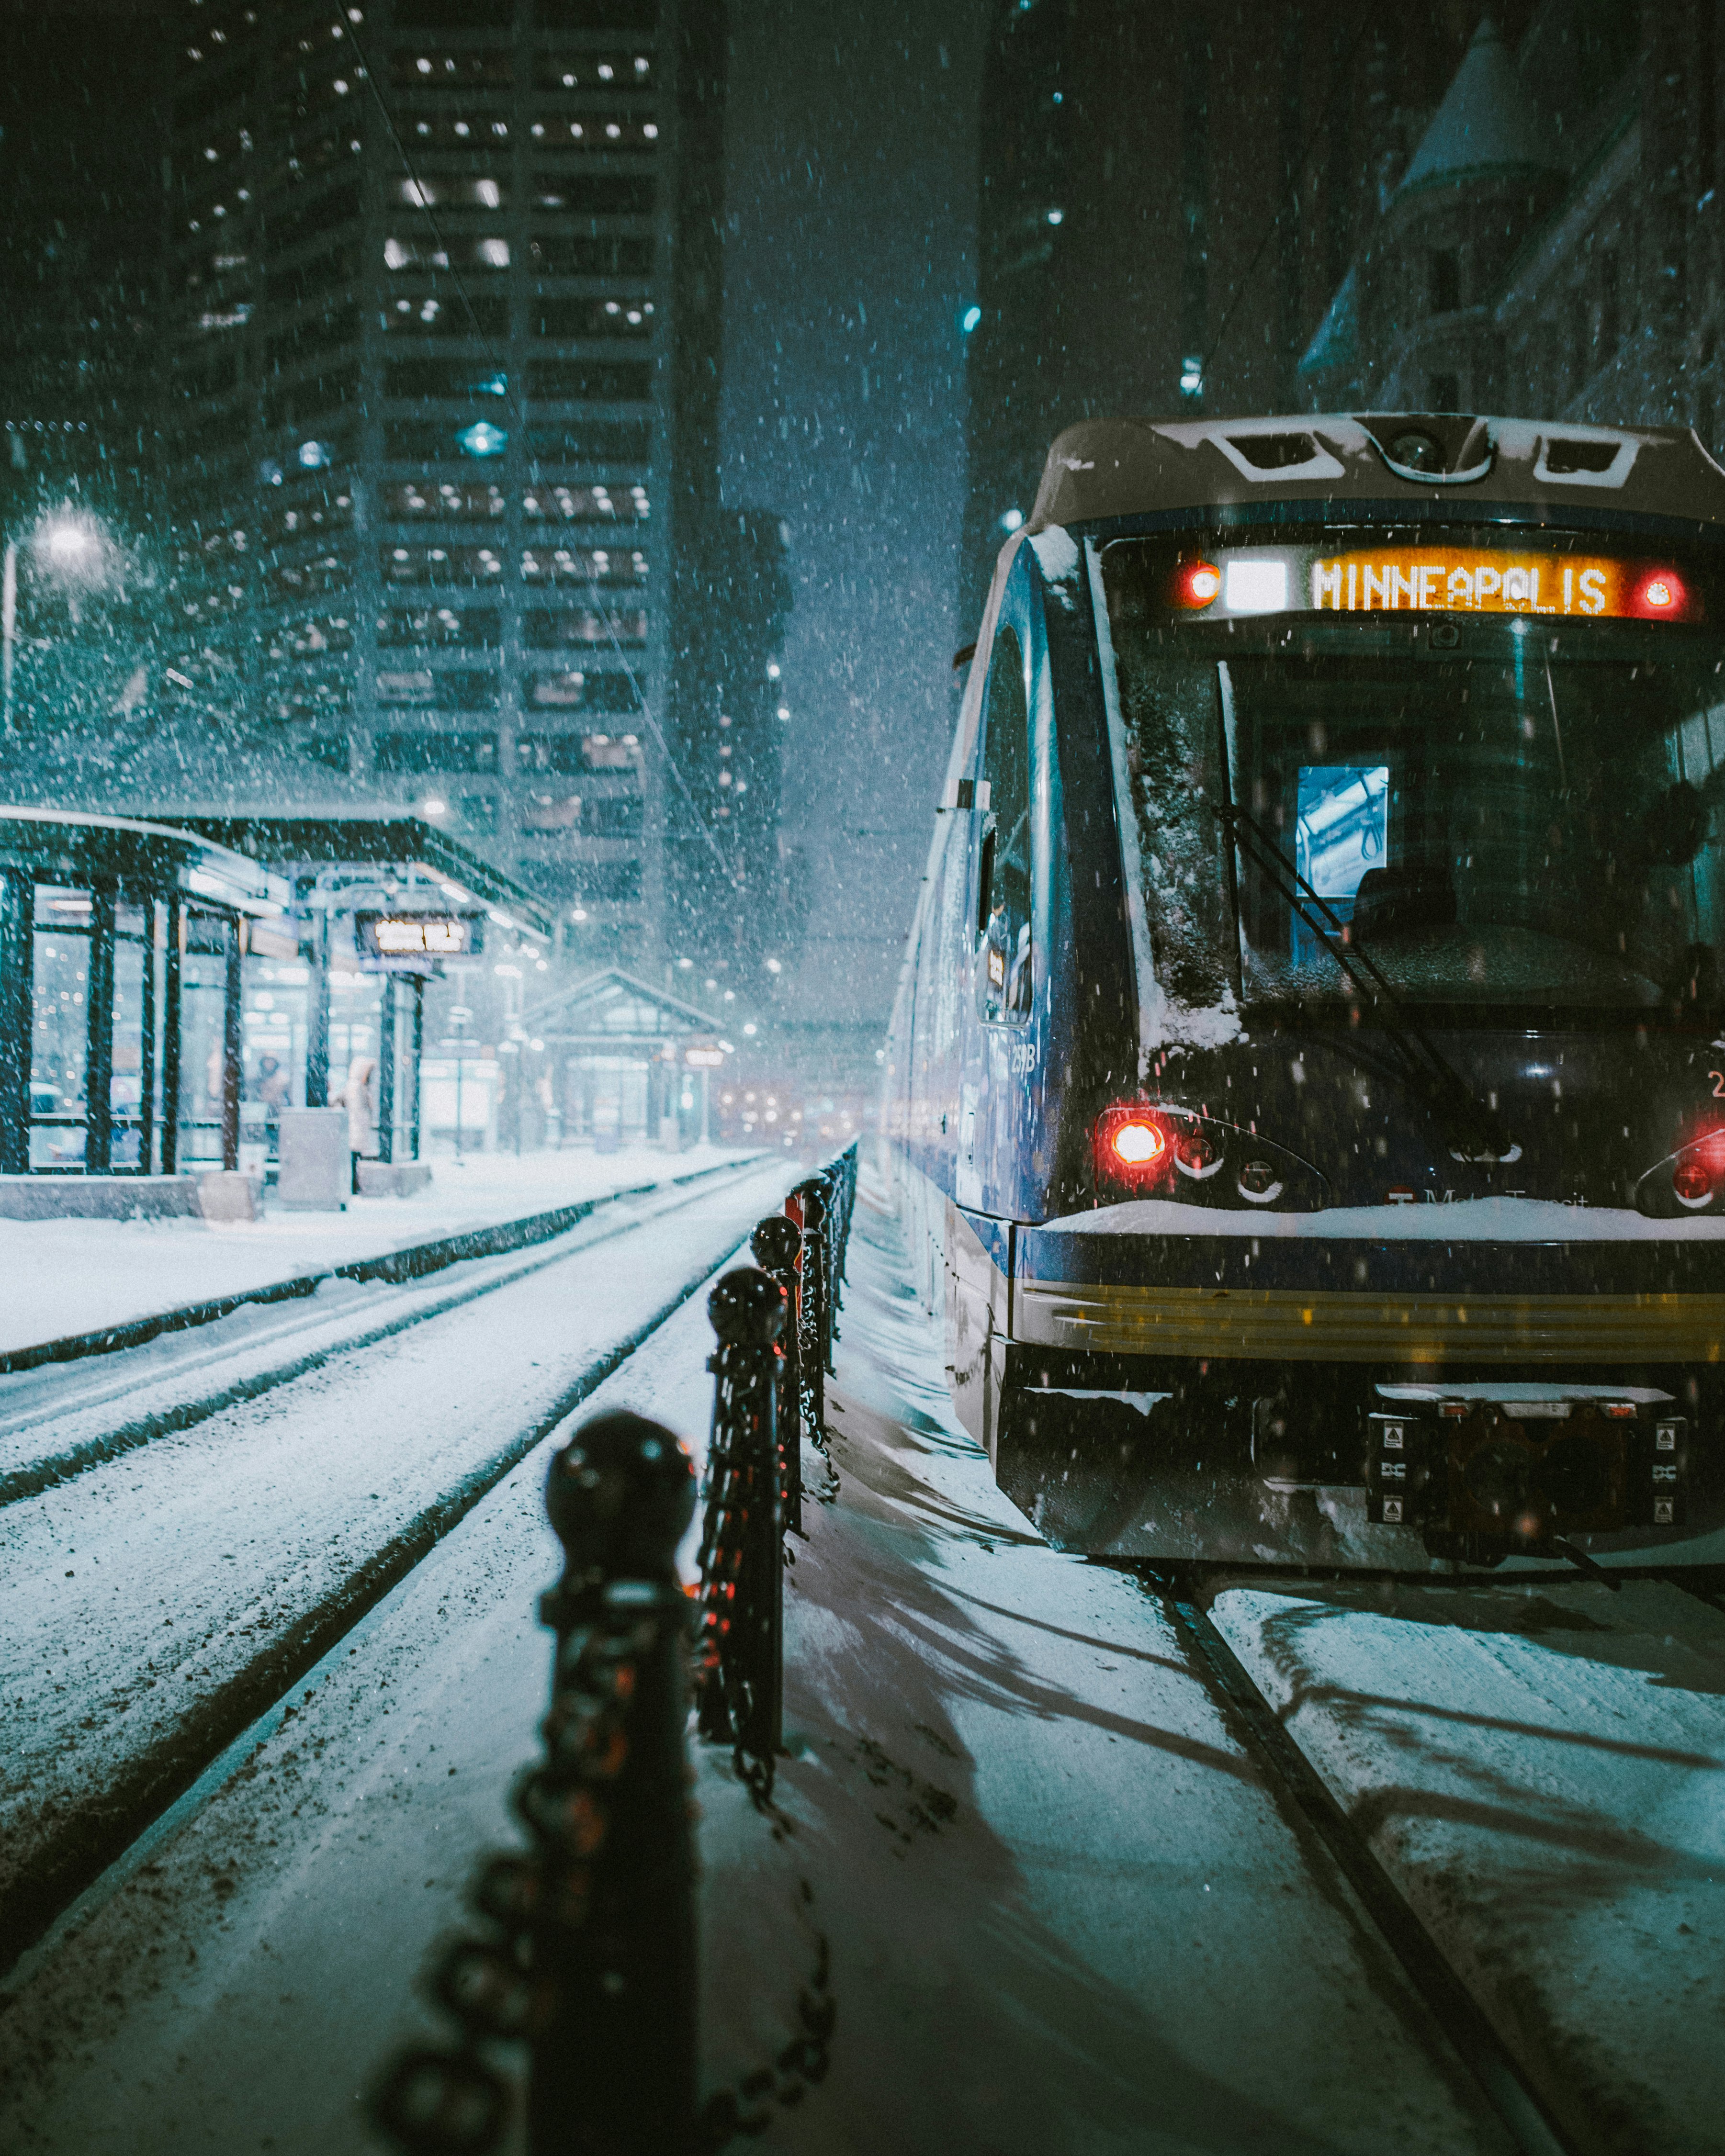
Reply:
x=392, y=1263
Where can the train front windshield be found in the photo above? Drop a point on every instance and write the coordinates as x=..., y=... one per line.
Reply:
x=1502, y=774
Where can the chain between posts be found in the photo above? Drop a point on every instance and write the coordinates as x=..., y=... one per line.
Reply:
x=741, y=1665
x=588, y=1951
x=585, y=1949
x=769, y=1387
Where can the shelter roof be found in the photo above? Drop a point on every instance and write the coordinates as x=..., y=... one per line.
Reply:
x=62, y=843
x=1487, y=123
x=268, y=803
x=613, y=1005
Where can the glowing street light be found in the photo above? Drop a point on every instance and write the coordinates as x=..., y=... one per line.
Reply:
x=70, y=545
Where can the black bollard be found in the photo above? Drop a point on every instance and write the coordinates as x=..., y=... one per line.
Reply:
x=613, y=1924
x=776, y=1244
x=590, y=1956
x=742, y=1565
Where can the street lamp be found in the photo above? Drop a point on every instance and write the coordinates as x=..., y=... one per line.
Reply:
x=72, y=547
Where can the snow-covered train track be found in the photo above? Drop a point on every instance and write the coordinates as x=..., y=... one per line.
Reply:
x=171, y=1593
x=59, y=1420
x=1607, y=1796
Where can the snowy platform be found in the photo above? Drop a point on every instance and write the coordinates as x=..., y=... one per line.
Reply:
x=1064, y=1910
x=66, y=1278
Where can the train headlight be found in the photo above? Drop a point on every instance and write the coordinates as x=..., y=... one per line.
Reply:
x=1197, y=583
x=1133, y=1152
x=1196, y=1154
x=1137, y=1144
x=1257, y=586
x=1660, y=592
x=1691, y=1180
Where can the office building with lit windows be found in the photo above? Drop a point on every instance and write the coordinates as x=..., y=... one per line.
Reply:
x=444, y=386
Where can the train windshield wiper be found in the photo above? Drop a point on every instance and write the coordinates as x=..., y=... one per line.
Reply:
x=1474, y=1131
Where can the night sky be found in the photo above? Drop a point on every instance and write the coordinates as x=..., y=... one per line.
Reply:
x=849, y=261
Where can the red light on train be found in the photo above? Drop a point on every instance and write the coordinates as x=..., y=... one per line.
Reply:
x=1137, y=1144
x=1196, y=583
x=1133, y=1149
x=1699, y=1175
x=1660, y=592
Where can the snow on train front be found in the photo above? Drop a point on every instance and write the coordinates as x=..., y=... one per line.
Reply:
x=1305, y=1080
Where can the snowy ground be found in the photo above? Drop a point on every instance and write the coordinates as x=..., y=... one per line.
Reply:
x=1542, y=1768
x=68, y=1277
x=1064, y=1912
x=148, y=1595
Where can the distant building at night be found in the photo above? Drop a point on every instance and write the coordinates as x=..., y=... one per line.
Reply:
x=80, y=248
x=1556, y=243
x=444, y=366
x=731, y=903
x=1167, y=205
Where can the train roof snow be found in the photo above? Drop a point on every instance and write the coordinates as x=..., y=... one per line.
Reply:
x=1108, y=468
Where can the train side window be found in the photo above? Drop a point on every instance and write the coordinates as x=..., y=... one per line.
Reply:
x=1003, y=910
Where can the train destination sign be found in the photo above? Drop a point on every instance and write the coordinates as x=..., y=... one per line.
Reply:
x=1435, y=580
x=415, y=935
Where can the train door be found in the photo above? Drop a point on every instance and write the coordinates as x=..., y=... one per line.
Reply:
x=1000, y=939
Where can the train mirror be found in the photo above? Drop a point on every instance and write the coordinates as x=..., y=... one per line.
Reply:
x=1675, y=829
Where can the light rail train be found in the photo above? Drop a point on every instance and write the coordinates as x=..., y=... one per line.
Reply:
x=1306, y=1084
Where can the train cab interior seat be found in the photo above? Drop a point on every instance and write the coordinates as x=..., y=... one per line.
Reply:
x=1413, y=895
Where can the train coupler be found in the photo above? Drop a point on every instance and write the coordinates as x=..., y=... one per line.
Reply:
x=1515, y=1466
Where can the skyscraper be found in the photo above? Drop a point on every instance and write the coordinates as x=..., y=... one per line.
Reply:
x=1168, y=202
x=444, y=368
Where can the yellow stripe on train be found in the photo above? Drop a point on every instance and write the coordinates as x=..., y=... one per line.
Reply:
x=1264, y=1324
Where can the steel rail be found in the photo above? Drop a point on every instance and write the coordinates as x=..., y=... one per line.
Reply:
x=29, y=1478
x=94, y=1840
x=1506, y=2087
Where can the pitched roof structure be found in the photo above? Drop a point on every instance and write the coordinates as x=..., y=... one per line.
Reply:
x=614, y=1007
x=1487, y=123
x=1335, y=342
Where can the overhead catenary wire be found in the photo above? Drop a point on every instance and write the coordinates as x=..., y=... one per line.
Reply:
x=1368, y=17
x=423, y=203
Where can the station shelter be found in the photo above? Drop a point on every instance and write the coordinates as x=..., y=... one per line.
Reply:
x=121, y=946
x=625, y=1063
x=332, y=997
x=167, y=987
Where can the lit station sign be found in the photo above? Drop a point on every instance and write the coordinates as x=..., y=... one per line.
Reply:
x=704, y=1059
x=416, y=935
x=1433, y=580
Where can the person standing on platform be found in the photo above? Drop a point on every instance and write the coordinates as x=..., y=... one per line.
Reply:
x=360, y=1100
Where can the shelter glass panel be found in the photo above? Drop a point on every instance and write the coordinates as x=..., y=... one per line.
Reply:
x=60, y=1031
